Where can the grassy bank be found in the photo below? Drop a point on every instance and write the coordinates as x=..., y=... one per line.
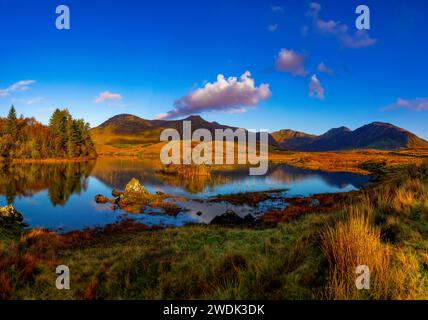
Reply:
x=311, y=256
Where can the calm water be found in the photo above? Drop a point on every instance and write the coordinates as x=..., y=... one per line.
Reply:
x=61, y=196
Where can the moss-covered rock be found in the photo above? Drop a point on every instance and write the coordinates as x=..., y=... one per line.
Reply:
x=135, y=186
x=10, y=213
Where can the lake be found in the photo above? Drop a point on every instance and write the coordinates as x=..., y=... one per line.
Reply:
x=60, y=196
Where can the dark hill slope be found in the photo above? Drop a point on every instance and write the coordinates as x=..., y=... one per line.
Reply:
x=377, y=135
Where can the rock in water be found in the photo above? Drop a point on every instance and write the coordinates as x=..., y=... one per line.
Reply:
x=10, y=214
x=116, y=193
x=135, y=186
x=135, y=197
x=228, y=218
x=99, y=198
x=314, y=203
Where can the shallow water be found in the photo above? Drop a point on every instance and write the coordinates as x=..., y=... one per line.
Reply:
x=61, y=196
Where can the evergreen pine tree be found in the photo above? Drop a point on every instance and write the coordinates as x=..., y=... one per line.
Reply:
x=12, y=123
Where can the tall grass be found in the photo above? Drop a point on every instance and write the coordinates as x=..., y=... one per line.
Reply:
x=395, y=271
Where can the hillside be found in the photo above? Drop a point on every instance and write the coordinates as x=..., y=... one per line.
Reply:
x=130, y=129
x=127, y=129
x=289, y=139
x=377, y=135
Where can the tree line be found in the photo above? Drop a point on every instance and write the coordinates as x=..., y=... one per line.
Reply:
x=63, y=138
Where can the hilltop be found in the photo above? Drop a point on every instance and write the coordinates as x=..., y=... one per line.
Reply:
x=376, y=135
x=130, y=129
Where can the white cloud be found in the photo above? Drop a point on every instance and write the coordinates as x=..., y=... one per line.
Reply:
x=418, y=104
x=226, y=95
x=273, y=27
x=315, y=88
x=358, y=39
x=291, y=62
x=35, y=100
x=108, y=96
x=22, y=85
x=324, y=69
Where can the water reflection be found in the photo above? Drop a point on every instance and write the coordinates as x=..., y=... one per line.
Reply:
x=116, y=173
x=62, y=194
x=61, y=180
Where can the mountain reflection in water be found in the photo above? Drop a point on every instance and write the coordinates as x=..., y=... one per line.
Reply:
x=61, y=195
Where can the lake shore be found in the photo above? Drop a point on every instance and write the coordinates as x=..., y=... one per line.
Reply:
x=295, y=259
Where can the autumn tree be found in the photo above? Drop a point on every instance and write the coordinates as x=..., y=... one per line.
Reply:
x=26, y=138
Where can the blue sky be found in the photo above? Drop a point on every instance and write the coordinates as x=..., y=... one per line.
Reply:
x=149, y=57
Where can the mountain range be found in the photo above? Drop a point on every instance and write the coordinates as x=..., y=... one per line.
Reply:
x=130, y=129
x=376, y=135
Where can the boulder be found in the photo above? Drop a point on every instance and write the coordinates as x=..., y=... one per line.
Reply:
x=249, y=218
x=10, y=214
x=99, y=198
x=116, y=193
x=314, y=203
x=230, y=218
x=135, y=198
x=135, y=186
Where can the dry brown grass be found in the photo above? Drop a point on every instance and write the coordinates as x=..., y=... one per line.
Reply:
x=394, y=273
x=352, y=161
x=412, y=194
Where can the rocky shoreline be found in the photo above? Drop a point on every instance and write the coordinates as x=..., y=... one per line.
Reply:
x=135, y=199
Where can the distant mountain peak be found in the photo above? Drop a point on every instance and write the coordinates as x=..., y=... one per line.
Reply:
x=376, y=135
x=336, y=131
x=379, y=123
x=195, y=118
